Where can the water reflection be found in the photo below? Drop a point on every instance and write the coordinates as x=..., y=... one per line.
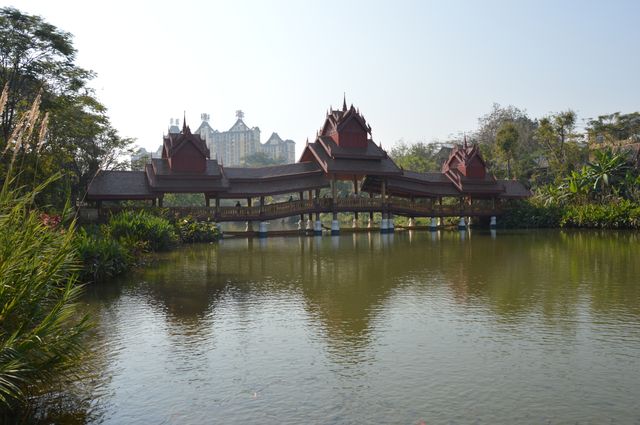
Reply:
x=345, y=280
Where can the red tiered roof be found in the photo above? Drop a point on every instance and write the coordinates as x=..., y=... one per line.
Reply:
x=345, y=149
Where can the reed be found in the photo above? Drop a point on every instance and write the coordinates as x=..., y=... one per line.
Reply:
x=40, y=330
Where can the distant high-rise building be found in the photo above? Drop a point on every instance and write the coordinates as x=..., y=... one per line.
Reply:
x=240, y=141
x=276, y=148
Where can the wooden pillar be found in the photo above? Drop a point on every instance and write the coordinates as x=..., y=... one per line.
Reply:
x=370, y=212
x=248, y=202
x=311, y=198
x=207, y=200
x=301, y=194
x=355, y=190
x=261, y=204
x=334, y=189
x=160, y=198
x=383, y=191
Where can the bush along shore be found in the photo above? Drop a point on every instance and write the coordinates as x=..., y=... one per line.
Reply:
x=110, y=249
x=622, y=214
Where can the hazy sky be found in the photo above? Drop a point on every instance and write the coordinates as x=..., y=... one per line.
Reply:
x=418, y=70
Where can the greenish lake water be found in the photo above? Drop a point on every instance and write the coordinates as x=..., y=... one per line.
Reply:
x=523, y=327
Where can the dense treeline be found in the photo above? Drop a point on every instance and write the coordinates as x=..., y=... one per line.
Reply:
x=575, y=176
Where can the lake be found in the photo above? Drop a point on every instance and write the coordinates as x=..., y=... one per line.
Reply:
x=416, y=327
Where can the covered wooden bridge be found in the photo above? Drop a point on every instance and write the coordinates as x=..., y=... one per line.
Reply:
x=343, y=151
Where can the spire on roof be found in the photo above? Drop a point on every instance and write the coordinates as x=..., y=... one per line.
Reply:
x=344, y=102
x=184, y=121
x=465, y=141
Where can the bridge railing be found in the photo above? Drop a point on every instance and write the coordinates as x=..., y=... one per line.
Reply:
x=427, y=209
x=291, y=208
x=306, y=206
x=358, y=203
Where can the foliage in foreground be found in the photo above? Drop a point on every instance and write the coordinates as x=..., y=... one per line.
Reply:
x=40, y=334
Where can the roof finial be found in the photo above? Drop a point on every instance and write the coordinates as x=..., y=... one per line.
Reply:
x=184, y=121
x=344, y=102
x=465, y=140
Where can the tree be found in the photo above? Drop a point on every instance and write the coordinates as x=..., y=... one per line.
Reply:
x=419, y=157
x=34, y=55
x=526, y=154
x=507, y=140
x=37, y=59
x=614, y=127
x=562, y=148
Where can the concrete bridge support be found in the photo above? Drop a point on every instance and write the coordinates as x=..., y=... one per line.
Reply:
x=493, y=223
x=249, y=227
x=262, y=229
x=462, y=225
x=317, y=226
x=433, y=226
x=335, y=225
x=391, y=224
x=384, y=223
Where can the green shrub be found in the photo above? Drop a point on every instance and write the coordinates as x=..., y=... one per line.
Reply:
x=132, y=227
x=529, y=214
x=619, y=215
x=622, y=214
x=191, y=230
x=102, y=257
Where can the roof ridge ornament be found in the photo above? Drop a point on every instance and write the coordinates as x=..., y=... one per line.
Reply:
x=344, y=102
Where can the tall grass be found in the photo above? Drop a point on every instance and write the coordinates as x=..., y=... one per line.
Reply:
x=40, y=332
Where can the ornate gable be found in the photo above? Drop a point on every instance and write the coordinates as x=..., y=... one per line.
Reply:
x=346, y=127
x=467, y=161
x=186, y=152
